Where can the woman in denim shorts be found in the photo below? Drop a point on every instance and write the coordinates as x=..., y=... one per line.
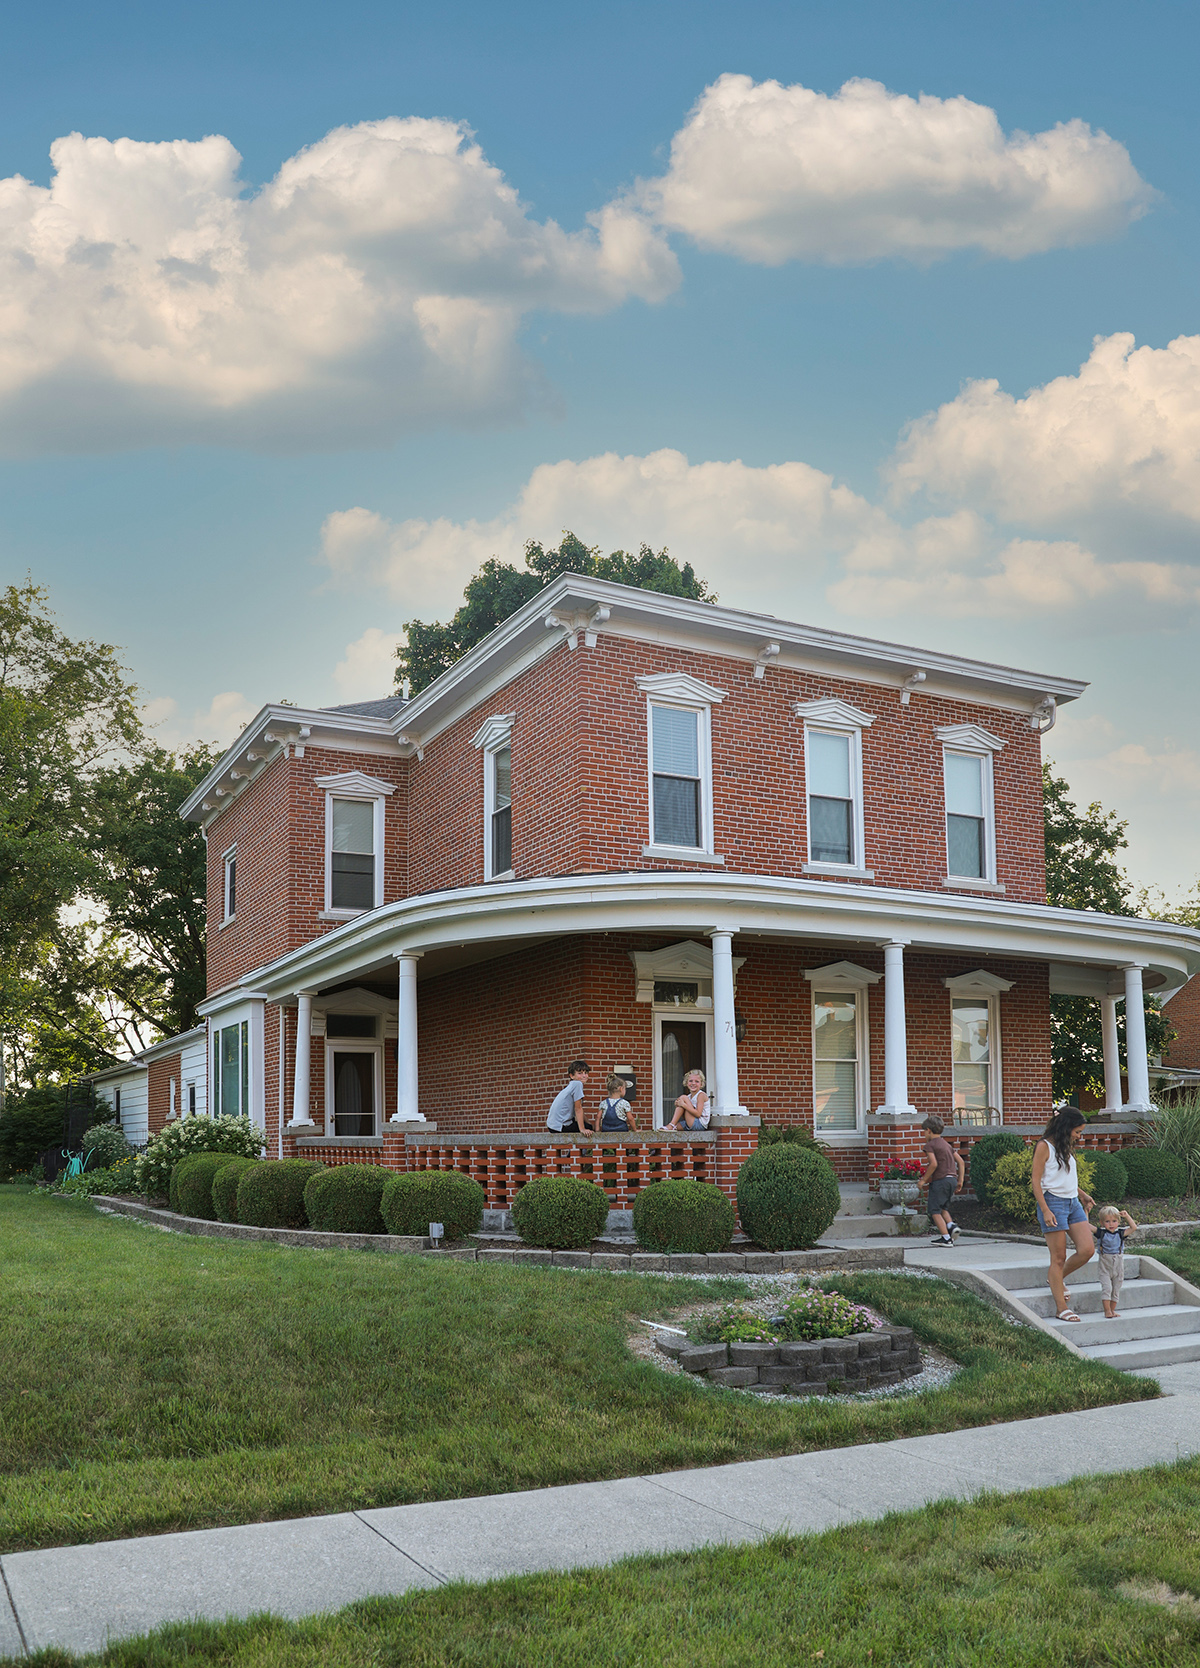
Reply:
x=1062, y=1209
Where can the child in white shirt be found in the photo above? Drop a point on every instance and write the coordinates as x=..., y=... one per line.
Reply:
x=693, y=1106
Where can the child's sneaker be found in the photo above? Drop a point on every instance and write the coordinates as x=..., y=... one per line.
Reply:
x=941, y=1239
x=954, y=1233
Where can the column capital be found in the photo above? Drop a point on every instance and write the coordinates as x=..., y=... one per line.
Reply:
x=407, y=955
x=1134, y=966
x=895, y=943
x=721, y=932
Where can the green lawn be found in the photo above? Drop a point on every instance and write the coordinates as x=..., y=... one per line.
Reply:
x=167, y=1382
x=1183, y=1255
x=1044, y=1580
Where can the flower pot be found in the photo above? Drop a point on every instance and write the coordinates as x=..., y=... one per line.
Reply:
x=894, y=1190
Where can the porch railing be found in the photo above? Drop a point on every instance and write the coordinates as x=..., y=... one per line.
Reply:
x=621, y=1164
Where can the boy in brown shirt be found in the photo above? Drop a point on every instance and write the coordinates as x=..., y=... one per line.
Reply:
x=944, y=1176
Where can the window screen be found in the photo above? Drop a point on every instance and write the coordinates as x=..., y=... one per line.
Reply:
x=835, y=1059
x=830, y=798
x=966, y=824
x=675, y=749
x=352, y=860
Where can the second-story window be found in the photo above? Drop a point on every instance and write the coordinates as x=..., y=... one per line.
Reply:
x=229, y=885
x=830, y=798
x=500, y=766
x=675, y=767
x=968, y=814
x=352, y=855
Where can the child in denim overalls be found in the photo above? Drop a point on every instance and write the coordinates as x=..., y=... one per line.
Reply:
x=1110, y=1243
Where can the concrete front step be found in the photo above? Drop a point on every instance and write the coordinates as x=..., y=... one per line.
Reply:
x=882, y=1226
x=857, y=1200
x=1021, y=1277
x=1167, y=1320
x=1140, y=1353
x=1086, y=1299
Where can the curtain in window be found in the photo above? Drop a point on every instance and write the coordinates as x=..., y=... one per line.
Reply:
x=675, y=746
x=830, y=800
x=972, y=1050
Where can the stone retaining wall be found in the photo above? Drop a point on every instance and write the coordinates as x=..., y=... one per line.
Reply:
x=867, y=1361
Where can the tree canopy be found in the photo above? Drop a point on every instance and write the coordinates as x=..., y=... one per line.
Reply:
x=498, y=590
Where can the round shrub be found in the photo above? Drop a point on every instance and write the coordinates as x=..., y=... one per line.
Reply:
x=197, y=1134
x=683, y=1216
x=787, y=1196
x=105, y=1147
x=985, y=1155
x=1154, y=1174
x=191, y=1185
x=225, y=1186
x=562, y=1212
x=794, y=1135
x=1011, y=1185
x=411, y=1202
x=345, y=1199
x=1110, y=1179
x=271, y=1194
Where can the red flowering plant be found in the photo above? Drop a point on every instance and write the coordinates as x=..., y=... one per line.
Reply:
x=909, y=1169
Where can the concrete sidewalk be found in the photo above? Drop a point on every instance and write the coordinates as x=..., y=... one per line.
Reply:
x=80, y=1597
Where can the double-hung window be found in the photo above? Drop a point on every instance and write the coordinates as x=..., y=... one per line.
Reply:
x=833, y=784
x=841, y=1075
x=679, y=747
x=494, y=740
x=354, y=831
x=975, y=1040
x=967, y=753
x=229, y=885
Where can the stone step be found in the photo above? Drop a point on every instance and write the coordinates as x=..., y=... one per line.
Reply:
x=1168, y=1320
x=1141, y=1353
x=1020, y=1277
x=864, y=1227
x=860, y=1204
x=1086, y=1299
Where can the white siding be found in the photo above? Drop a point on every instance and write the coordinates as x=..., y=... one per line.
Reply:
x=135, y=1112
x=193, y=1068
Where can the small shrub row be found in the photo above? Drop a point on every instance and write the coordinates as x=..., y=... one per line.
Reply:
x=1154, y=1173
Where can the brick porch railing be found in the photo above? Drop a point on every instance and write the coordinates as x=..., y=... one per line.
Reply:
x=621, y=1164
x=892, y=1140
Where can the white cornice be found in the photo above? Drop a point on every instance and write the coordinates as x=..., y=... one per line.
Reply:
x=354, y=781
x=831, y=710
x=842, y=975
x=971, y=736
x=495, y=731
x=681, y=686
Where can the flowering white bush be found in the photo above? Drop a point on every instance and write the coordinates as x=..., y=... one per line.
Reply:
x=198, y=1134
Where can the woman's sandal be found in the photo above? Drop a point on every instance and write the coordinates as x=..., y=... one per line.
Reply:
x=1067, y=1315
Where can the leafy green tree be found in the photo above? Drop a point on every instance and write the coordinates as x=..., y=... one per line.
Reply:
x=151, y=877
x=1082, y=872
x=498, y=590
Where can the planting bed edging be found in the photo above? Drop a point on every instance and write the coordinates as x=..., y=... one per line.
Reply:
x=866, y=1361
x=642, y=1262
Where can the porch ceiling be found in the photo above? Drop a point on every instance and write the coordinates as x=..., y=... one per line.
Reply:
x=450, y=929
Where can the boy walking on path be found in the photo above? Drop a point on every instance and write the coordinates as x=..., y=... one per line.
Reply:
x=1110, y=1243
x=944, y=1176
x=566, y=1109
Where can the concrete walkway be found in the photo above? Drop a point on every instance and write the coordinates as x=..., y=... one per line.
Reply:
x=79, y=1597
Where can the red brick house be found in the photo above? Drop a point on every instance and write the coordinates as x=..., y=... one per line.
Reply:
x=656, y=833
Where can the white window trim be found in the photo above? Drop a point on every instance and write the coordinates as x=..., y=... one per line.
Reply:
x=234, y=1014
x=845, y=975
x=987, y=787
x=227, y=858
x=820, y=866
x=355, y=1045
x=174, y=1099
x=706, y=848
x=981, y=987
x=493, y=736
x=378, y=800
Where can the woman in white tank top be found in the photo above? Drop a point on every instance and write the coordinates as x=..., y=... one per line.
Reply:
x=1062, y=1209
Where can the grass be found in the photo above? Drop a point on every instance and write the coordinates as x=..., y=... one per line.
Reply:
x=1100, y=1572
x=1182, y=1255
x=171, y=1382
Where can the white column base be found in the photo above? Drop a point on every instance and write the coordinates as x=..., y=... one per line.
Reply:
x=896, y=1112
x=408, y=1118
x=1142, y=1109
x=301, y=1124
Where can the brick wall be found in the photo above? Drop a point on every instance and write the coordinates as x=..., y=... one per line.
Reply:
x=160, y=1074
x=1183, y=1011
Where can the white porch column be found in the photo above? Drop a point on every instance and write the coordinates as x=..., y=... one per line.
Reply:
x=1137, y=1067
x=301, y=1117
x=1112, y=1057
x=406, y=1044
x=726, y=1095
x=895, y=1035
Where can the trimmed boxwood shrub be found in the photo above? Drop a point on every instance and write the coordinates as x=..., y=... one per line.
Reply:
x=794, y=1135
x=561, y=1212
x=683, y=1216
x=787, y=1196
x=191, y=1185
x=345, y=1199
x=1110, y=1178
x=225, y=1186
x=985, y=1155
x=1154, y=1174
x=271, y=1194
x=411, y=1202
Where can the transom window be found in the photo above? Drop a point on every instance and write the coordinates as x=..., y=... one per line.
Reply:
x=830, y=770
x=675, y=767
x=837, y=1078
x=352, y=855
x=968, y=814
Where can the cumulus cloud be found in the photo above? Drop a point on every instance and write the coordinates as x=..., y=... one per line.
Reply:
x=773, y=173
x=377, y=282
x=369, y=666
x=218, y=723
x=1123, y=435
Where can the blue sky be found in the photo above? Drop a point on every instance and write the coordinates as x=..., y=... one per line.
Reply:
x=252, y=421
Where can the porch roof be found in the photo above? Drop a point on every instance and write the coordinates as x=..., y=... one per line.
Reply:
x=1085, y=951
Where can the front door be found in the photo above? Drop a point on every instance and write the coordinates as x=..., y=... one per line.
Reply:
x=353, y=1091
x=684, y=1048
